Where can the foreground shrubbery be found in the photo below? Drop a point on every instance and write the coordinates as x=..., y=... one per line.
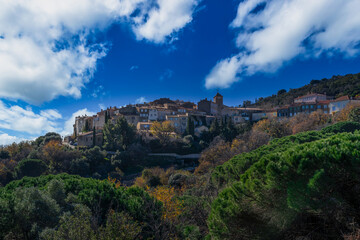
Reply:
x=71, y=207
x=302, y=185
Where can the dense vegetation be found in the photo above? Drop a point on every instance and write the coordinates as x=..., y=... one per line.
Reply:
x=71, y=207
x=295, y=178
x=306, y=184
x=336, y=86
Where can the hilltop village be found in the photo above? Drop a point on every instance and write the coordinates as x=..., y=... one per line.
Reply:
x=202, y=114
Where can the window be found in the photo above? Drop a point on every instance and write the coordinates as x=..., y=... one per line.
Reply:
x=318, y=106
x=307, y=106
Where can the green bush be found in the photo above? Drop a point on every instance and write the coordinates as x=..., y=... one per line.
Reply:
x=233, y=169
x=30, y=168
x=303, y=188
x=98, y=196
x=354, y=115
x=342, y=127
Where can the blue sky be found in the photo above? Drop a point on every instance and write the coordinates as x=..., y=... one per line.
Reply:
x=57, y=61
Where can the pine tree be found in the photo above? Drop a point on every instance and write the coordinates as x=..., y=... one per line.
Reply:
x=118, y=136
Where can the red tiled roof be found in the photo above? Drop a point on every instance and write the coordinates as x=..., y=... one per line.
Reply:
x=310, y=95
x=324, y=102
x=343, y=98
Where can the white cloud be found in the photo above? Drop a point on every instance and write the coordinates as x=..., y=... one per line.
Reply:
x=284, y=30
x=141, y=100
x=25, y=120
x=164, y=21
x=6, y=139
x=68, y=126
x=44, y=47
x=226, y=70
x=51, y=114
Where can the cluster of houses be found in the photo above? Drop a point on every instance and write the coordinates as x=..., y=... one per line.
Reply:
x=88, y=129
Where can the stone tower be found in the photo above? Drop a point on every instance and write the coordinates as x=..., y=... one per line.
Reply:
x=218, y=99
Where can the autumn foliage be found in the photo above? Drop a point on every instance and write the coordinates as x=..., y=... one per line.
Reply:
x=168, y=196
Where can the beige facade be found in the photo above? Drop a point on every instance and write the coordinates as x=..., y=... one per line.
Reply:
x=312, y=97
x=99, y=121
x=162, y=113
x=340, y=103
x=179, y=122
x=86, y=139
x=144, y=126
x=80, y=123
x=262, y=115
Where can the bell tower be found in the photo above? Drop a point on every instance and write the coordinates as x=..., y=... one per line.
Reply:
x=218, y=99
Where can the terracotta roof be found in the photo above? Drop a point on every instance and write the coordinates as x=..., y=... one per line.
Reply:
x=218, y=95
x=324, y=102
x=310, y=95
x=343, y=98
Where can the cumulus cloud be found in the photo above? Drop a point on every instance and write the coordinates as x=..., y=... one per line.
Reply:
x=6, y=139
x=44, y=46
x=165, y=20
x=279, y=31
x=25, y=120
x=225, y=70
x=50, y=114
x=68, y=126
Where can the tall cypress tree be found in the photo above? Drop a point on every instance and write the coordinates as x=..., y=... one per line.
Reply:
x=106, y=117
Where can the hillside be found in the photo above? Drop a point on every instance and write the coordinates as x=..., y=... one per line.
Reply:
x=336, y=86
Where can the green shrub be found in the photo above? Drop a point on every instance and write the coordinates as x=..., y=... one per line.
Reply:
x=354, y=115
x=295, y=190
x=30, y=168
x=98, y=196
x=342, y=127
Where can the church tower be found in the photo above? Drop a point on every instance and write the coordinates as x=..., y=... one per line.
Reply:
x=218, y=99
